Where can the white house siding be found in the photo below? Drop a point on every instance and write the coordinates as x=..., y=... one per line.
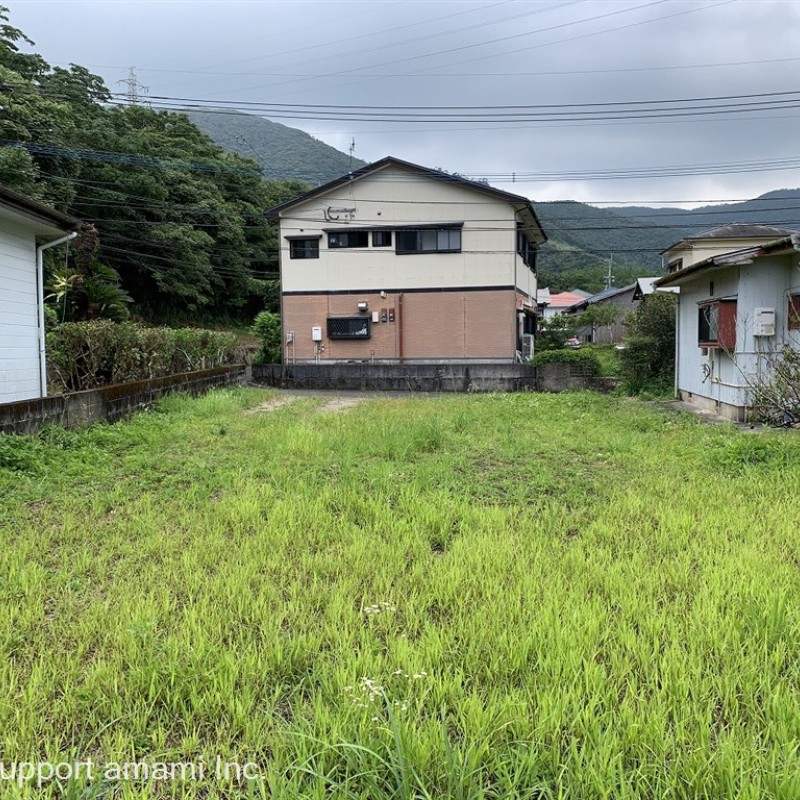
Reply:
x=765, y=283
x=19, y=342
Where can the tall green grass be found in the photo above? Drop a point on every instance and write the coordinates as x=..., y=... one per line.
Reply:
x=500, y=596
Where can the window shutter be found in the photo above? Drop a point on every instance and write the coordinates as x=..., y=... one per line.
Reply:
x=727, y=325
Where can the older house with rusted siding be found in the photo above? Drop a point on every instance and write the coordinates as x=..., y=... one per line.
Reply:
x=739, y=306
x=399, y=263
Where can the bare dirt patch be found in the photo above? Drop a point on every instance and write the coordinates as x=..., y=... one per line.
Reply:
x=338, y=404
x=270, y=405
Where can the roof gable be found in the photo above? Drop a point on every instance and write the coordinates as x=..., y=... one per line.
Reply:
x=432, y=174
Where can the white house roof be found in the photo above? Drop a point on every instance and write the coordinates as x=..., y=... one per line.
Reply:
x=45, y=221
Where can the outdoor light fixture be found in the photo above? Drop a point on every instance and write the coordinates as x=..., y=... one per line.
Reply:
x=363, y=305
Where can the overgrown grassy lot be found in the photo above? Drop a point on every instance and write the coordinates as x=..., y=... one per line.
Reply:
x=500, y=596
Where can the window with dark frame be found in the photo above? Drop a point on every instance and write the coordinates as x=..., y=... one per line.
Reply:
x=428, y=240
x=793, y=315
x=349, y=327
x=716, y=324
x=348, y=239
x=304, y=248
x=526, y=249
x=381, y=238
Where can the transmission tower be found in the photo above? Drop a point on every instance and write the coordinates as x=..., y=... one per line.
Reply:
x=135, y=88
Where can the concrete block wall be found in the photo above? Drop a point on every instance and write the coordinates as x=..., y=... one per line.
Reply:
x=112, y=403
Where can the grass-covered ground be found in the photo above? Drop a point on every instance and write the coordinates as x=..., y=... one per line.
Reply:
x=510, y=596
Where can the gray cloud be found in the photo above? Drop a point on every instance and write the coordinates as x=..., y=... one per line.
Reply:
x=472, y=54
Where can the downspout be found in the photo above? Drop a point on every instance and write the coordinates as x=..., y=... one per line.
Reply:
x=40, y=303
x=400, y=327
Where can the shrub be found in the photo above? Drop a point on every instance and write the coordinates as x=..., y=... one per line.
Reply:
x=585, y=359
x=554, y=332
x=776, y=398
x=85, y=355
x=267, y=326
x=648, y=360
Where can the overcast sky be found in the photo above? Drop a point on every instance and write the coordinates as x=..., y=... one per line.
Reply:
x=484, y=53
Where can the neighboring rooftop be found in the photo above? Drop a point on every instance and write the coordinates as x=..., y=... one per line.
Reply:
x=743, y=256
x=565, y=299
x=736, y=230
x=742, y=230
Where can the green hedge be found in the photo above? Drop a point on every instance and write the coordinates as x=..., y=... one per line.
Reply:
x=586, y=359
x=86, y=355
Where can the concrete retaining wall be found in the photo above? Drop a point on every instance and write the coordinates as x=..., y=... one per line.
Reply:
x=112, y=403
x=428, y=377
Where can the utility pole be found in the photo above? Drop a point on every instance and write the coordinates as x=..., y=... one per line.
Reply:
x=134, y=87
x=352, y=150
x=610, y=276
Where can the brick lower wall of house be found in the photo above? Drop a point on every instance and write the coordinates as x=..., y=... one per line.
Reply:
x=463, y=324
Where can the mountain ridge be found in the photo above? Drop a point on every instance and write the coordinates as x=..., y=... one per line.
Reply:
x=583, y=238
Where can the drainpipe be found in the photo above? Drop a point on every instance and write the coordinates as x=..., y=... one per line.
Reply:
x=400, y=326
x=40, y=303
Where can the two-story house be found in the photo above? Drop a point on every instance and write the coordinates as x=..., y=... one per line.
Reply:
x=400, y=263
x=739, y=305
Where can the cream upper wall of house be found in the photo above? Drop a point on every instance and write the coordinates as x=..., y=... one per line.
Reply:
x=396, y=197
x=707, y=248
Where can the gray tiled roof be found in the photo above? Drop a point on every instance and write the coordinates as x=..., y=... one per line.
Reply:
x=742, y=230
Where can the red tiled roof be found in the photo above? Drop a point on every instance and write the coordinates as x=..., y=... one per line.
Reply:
x=565, y=299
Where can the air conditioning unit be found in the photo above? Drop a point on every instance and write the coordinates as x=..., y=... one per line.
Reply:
x=764, y=322
x=527, y=345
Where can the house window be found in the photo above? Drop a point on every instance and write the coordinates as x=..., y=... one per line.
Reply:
x=526, y=249
x=348, y=239
x=349, y=327
x=429, y=240
x=716, y=324
x=675, y=265
x=381, y=238
x=793, y=317
x=304, y=248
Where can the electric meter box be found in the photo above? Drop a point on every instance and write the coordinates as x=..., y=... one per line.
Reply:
x=764, y=322
x=316, y=334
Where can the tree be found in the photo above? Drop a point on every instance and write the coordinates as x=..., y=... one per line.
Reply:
x=267, y=326
x=648, y=360
x=87, y=289
x=554, y=331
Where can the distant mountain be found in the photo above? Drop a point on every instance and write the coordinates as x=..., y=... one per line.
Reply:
x=584, y=238
x=283, y=152
x=780, y=208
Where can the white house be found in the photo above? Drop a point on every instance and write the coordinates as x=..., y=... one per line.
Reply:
x=22, y=360
x=398, y=263
x=737, y=309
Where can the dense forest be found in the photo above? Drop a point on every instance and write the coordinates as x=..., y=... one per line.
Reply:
x=179, y=219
